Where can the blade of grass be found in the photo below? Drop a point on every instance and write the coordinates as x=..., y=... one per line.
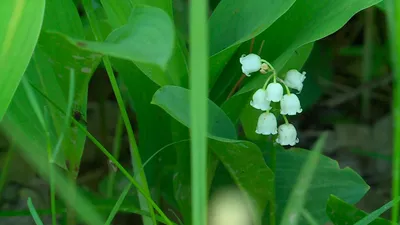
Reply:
x=109, y=156
x=199, y=52
x=34, y=214
x=67, y=123
x=135, y=155
x=393, y=21
x=367, y=60
x=116, y=149
x=310, y=219
x=375, y=214
x=118, y=204
x=297, y=197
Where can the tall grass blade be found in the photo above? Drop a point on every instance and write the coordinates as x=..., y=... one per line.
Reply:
x=297, y=197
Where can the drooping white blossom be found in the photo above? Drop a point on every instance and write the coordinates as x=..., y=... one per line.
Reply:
x=274, y=92
x=259, y=100
x=250, y=63
x=294, y=79
x=266, y=124
x=287, y=135
x=290, y=105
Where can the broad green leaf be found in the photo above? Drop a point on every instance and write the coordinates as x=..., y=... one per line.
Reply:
x=20, y=24
x=342, y=213
x=147, y=38
x=176, y=71
x=234, y=22
x=328, y=179
x=175, y=101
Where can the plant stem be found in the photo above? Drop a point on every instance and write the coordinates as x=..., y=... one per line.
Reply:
x=367, y=61
x=116, y=149
x=393, y=21
x=135, y=155
x=198, y=30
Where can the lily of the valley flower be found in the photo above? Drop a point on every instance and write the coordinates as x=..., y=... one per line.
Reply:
x=259, y=100
x=250, y=63
x=266, y=124
x=287, y=135
x=274, y=92
x=290, y=105
x=294, y=79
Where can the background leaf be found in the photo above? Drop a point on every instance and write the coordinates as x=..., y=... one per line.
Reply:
x=20, y=24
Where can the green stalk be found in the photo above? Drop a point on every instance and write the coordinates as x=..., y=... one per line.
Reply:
x=198, y=28
x=367, y=60
x=116, y=149
x=34, y=214
x=393, y=21
x=135, y=155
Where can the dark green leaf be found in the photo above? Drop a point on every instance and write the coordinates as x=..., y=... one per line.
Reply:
x=328, y=179
x=342, y=213
x=234, y=22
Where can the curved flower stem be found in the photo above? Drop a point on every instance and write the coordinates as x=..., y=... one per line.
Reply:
x=266, y=82
x=286, y=87
x=285, y=118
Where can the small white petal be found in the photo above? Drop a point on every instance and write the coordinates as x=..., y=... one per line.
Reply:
x=274, y=92
x=250, y=63
x=294, y=79
x=290, y=105
x=266, y=124
x=287, y=135
x=259, y=101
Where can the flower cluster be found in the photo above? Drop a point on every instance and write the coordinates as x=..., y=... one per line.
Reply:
x=273, y=92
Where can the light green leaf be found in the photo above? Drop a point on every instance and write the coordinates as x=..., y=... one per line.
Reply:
x=20, y=24
x=175, y=101
x=147, y=38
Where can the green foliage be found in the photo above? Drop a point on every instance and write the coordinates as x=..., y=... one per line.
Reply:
x=188, y=115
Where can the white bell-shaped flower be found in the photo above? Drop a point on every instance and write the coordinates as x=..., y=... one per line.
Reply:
x=290, y=105
x=266, y=124
x=287, y=135
x=250, y=63
x=274, y=92
x=294, y=79
x=259, y=101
